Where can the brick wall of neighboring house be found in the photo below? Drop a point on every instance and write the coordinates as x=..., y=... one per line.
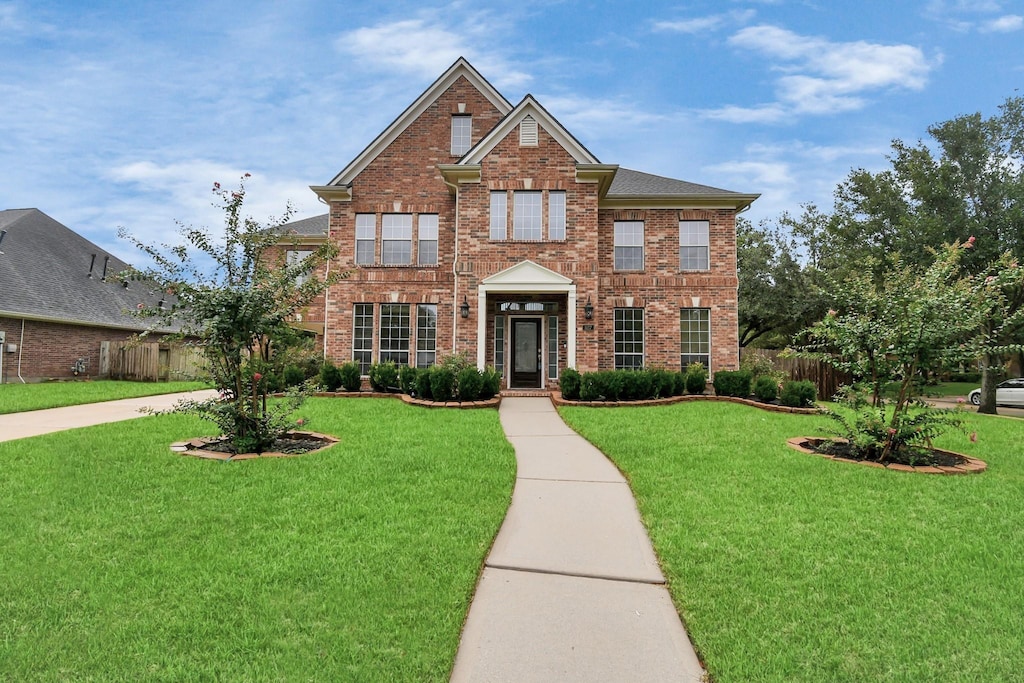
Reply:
x=49, y=350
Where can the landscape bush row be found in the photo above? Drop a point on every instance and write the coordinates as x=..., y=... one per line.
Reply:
x=453, y=379
x=632, y=385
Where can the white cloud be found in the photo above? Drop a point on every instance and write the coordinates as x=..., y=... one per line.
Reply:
x=1004, y=24
x=426, y=47
x=819, y=76
x=702, y=24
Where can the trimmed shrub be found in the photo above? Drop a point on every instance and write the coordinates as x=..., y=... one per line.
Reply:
x=798, y=394
x=696, y=379
x=491, y=383
x=351, y=378
x=590, y=389
x=766, y=389
x=662, y=383
x=423, y=384
x=294, y=376
x=330, y=376
x=678, y=383
x=442, y=383
x=732, y=383
x=637, y=385
x=470, y=383
x=407, y=375
x=384, y=376
x=569, y=383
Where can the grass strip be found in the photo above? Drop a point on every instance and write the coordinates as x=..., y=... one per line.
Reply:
x=123, y=561
x=789, y=567
x=17, y=398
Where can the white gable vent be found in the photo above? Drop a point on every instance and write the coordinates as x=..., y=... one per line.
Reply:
x=528, y=132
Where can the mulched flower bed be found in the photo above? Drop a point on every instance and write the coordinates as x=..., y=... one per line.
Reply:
x=290, y=445
x=918, y=459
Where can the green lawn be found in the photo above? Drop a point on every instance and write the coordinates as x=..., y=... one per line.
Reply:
x=789, y=567
x=123, y=561
x=17, y=398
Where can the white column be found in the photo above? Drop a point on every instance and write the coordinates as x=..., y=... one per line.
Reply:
x=481, y=326
x=571, y=325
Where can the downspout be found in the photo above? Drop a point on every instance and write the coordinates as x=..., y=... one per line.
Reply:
x=21, y=347
x=455, y=266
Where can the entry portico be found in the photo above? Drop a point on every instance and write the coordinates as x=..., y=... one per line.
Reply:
x=530, y=280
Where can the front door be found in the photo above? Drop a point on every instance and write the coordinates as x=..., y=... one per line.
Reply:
x=526, y=363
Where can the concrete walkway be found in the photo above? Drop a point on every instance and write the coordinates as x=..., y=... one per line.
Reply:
x=571, y=590
x=36, y=422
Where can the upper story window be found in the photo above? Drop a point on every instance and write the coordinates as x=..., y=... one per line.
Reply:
x=556, y=215
x=531, y=210
x=629, y=245
x=526, y=216
x=396, y=239
x=426, y=248
x=693, y=245
x=366, y=238
x=294, y=257
x=499, y=215
x=462, y=134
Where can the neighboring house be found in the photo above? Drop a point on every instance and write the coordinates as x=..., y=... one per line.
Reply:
x=60, y=296
x=474, y=226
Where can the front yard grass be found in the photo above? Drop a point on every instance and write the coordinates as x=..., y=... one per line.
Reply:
x=790, y=567
x=123, y=561
x=17, y=398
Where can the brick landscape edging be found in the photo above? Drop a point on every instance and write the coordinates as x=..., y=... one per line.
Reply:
x=556, y=398
x=972, y=466
x=405, y=398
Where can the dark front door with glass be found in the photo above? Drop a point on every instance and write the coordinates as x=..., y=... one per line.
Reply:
x=526, y=349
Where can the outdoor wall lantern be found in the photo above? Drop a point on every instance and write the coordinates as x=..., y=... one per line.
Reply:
x=464, y=308
x=588, y=310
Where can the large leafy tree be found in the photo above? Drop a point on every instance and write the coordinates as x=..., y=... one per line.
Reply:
x=233, y=294
x=966, y=181
x=777, y=292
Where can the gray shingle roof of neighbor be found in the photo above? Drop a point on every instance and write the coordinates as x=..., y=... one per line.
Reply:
x=636, y=183
x=315, y=226
x=45, y=275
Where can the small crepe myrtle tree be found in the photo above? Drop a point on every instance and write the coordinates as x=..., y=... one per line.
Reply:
x=232, y=295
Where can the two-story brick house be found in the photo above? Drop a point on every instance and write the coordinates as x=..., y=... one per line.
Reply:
x=471, y=225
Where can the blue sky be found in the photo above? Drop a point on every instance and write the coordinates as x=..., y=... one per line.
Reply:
x=124, y=114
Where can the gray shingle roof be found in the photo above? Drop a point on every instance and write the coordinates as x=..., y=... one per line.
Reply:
x=44, y=273
x=636, y=183
x=315, y=226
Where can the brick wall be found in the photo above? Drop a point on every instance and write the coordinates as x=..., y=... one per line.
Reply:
x=49, y=349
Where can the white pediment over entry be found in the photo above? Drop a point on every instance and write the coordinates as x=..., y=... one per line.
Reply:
x=527, y=276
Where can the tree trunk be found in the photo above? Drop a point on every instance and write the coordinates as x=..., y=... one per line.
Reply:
x=991, y=375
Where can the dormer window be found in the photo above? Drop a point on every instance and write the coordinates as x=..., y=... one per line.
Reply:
x=528, y=132
x=462, y=134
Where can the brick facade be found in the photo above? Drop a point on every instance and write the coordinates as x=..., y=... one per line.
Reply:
x=48, y=350
x=416, y=174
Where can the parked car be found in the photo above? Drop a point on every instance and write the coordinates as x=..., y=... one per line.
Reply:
x=1008, y=393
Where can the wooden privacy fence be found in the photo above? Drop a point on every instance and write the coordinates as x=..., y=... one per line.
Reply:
x=826, y=378
x=150, y=361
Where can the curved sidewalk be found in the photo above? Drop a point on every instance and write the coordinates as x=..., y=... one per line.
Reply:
x=36, y=422
x=571, y=590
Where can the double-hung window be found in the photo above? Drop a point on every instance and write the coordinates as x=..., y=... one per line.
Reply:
x=556, y=215
x=629, y=338
x=695, y=337
x=526, y=216
x=629, y=245
x=294, y=257
x=462, y=134
x=396, y=239
x=693, y=245
x=394, y=333
x=366, y=236
x=499, y=215
x=362, y=337
x=426, y=248
x=426, y=335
